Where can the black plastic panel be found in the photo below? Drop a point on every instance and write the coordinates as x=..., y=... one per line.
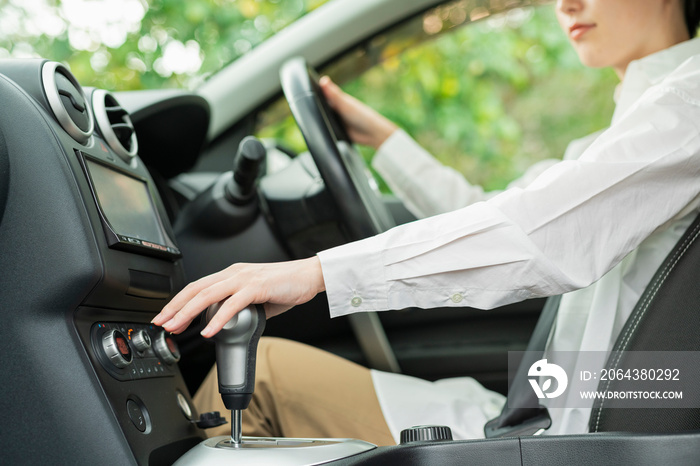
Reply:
x=501, y=452
x=587, y=449
x=149, y=285
x=4, y=174
x=571, y=450
x=58, y=402
x=171, y=126
x=156, y=394
x=49, y=262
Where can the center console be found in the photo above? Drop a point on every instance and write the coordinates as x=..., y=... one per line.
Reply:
x=89, y=257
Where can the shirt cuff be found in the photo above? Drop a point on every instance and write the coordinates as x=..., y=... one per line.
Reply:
x=346, y=287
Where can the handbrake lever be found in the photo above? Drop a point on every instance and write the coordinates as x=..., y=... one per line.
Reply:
x=236, y=350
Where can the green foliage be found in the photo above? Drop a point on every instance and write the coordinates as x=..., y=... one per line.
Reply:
x=494, y=97
x=139, y=44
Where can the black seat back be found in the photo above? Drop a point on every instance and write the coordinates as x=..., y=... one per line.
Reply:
x=666, y=318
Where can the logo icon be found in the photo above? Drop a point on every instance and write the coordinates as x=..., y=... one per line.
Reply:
x=542, y=370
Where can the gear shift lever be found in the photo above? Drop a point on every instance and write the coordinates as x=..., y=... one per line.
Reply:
x=236, y=348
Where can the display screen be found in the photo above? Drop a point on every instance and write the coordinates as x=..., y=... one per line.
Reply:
x=126, y=204
x=123, y=346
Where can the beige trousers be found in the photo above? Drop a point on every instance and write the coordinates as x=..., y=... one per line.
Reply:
x=301, y=391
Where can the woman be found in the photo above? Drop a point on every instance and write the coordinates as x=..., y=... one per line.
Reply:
x=595, y=226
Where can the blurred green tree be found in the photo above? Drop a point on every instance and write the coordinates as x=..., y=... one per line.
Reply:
x=492, y=98
x=139, y=44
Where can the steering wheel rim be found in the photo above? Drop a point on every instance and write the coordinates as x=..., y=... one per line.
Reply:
x=341, y=167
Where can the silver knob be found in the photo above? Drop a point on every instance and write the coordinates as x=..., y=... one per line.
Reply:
x=166, y=348
x=141, y=340
x=116, y=348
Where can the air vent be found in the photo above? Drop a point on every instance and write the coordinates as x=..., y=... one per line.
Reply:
x=67, y=101
x=114, y=124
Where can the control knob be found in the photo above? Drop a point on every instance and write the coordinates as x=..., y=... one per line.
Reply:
x=116, y=348
x=141, y=340
x=426, y=434
x=166, y=348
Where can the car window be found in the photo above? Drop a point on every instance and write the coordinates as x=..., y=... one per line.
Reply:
x=142, y=44
x=489, y=99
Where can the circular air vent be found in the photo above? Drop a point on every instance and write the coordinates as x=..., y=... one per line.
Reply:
x=114, y=124
x=67, y=101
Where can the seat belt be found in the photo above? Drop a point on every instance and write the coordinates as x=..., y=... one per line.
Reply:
x=518, y=416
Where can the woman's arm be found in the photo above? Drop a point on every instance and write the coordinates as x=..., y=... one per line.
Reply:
x=278, y=286
x=562, y=232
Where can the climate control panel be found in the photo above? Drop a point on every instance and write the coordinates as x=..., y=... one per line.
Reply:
x=129, y=351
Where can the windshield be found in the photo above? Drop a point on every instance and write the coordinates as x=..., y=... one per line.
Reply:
x=139, y=44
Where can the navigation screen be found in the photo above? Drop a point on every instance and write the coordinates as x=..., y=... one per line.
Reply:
x=126, y=203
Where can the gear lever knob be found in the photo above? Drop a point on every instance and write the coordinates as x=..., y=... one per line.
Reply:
x=246, y=167
x=236, y=349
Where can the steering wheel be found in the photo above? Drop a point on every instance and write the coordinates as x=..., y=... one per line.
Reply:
x=343, y=171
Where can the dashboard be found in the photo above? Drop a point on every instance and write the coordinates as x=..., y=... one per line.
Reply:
x=89, y=257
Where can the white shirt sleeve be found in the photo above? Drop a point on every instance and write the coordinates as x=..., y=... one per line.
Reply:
x=564, y=231
x=426, y=186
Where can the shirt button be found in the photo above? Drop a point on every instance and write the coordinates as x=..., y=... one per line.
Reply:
x=457, y=298
x=356, y=301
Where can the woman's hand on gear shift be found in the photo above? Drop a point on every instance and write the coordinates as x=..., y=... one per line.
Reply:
x=278, y=286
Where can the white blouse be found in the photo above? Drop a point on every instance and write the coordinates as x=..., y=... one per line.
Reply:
x=613, y=210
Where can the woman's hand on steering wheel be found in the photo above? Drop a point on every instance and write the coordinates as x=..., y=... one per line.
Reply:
x=364, y=125
x=361, y=212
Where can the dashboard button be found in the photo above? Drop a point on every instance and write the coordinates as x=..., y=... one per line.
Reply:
x=184, y=406
x=138, y=415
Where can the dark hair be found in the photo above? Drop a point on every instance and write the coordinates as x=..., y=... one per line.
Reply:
x=691, y=9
